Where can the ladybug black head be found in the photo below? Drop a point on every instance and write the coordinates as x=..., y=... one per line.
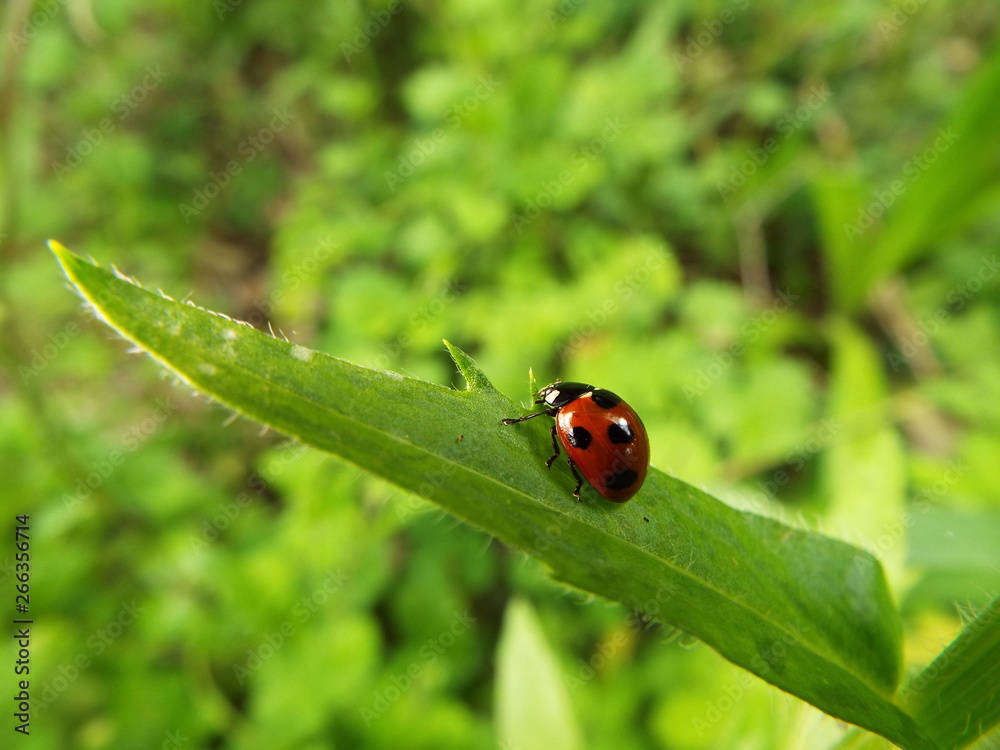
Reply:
x=558, y=395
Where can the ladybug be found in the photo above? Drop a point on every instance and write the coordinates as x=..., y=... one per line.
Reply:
x=601, y=434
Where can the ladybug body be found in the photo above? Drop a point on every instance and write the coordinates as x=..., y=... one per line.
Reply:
x=602, y=435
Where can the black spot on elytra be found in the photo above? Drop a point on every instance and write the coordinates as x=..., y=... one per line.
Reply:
x=620, y=480
x=580, y=437
x=605, y=399
x=619, y=432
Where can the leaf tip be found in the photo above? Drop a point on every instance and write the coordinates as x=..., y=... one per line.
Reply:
x=63, y=254
x=475, y=379
x=70, y=262
x=56, y=246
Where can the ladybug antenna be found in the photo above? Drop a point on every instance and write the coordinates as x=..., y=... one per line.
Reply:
x=515, y=420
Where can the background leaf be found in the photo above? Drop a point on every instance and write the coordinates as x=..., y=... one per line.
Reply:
x=837, y=196
x=532, y=704
x=948, y=183
x=864, y=467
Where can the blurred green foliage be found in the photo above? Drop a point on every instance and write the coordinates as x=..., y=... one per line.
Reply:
x=771, y=226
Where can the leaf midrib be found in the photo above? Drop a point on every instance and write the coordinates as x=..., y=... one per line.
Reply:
x=364, y=426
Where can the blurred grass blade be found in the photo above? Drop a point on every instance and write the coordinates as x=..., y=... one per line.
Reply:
x=955, y=698
x=837, y=197
x=943, y=186
x=948, y=182
x=808, y=614
x=864, y=469
x=533, y=710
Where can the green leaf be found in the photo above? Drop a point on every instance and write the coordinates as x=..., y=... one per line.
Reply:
x=864, y=465
x=948, y=183
x=845, y=245
x=943, y=187
x=808, y=614
x=955, y=697
x=533, y=710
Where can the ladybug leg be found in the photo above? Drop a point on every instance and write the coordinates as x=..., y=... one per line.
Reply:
x=579, y=481
x=555, y=448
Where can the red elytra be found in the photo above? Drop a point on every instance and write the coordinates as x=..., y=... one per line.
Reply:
x=602, y=435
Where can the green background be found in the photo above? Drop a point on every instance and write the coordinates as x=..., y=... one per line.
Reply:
x=770, y=226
